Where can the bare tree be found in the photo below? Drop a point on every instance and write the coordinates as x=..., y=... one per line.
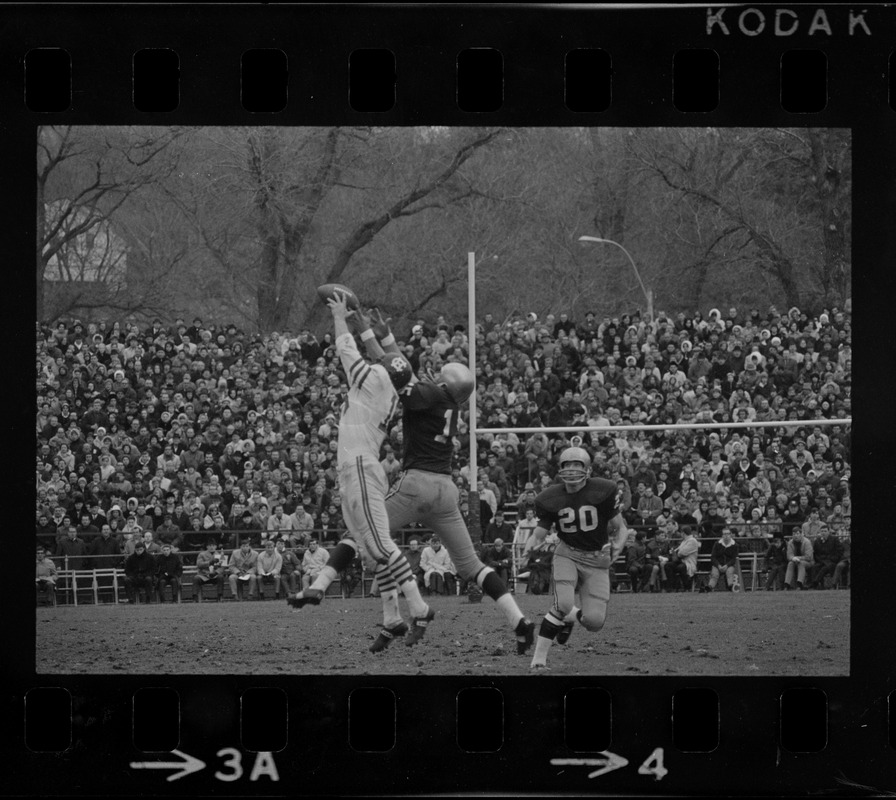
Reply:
x=757, y=204
x=85, y=179
x=289, y=209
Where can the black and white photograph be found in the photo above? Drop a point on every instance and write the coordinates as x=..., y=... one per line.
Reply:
x=442, y=400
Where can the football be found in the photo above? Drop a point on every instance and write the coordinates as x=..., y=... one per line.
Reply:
x=327, y=291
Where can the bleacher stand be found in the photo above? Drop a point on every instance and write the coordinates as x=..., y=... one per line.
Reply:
x=183, y=431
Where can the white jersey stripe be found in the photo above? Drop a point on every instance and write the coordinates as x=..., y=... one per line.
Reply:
x=365, y=504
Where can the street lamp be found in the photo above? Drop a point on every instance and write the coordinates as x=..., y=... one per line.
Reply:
x=648, y=294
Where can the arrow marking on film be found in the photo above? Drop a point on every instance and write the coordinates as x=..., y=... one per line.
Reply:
x=185, y=767
x=607, y=764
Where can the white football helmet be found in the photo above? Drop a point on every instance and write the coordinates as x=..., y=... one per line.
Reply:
x=575, y=467
x=457, y=379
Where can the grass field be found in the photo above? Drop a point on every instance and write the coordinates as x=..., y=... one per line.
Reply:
x=753, y=633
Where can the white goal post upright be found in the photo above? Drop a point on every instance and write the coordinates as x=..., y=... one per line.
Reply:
x=471, y=338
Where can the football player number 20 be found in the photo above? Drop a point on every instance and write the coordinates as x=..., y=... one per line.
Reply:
x=582, y=519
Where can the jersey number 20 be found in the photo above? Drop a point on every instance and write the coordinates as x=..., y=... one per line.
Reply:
x=587, y=519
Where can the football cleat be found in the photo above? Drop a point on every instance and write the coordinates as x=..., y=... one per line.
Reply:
x=300, y=599
x=525, y=636
x=386, y=636
x=565, y=632
x=418, y=628
x=539, y=667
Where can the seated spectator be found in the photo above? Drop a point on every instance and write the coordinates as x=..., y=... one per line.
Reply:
x=45, y=577
x=657, y=559
x=649, y=507
x=86, y=529
x=683, y=559
x=827, y=552
x=799, y=560
x=139, y=574
x=267, y=568
x=842, y=571
x=152, y=547
x=526, y=500
x=723, y=561
x=169, y=570
x=413, y=554
x=169, y=533
x=303, y=525
x=290, y=569
x=498, y=528
x=208, y=570
x=775, y=559
x=131, y=540
x=279, y=522
x=499, y=558
x=436, y=564
x=537, y=570
x=636, y=562
x=524, y=529
x=241, y=566
x=350, y=577
x=314, y=560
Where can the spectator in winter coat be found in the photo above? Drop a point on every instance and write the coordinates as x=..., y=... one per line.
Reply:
x=684, y=558
x=290, y=568
x=139, y=574
x=103, y=548
x=799, y=560
x=636, y=562
x=841, y=571
x=314, y=560
x=267, y=568
x=242, y=566
x=45, y=575
x=775, y=563
x=499, y=558
x=208, y=570
x=498, y=529
x=436, y=565
x=73, y=549
x=169, y=570
x=723, y=561
x=827, y=552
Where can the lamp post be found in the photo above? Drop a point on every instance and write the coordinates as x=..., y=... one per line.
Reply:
x=648, y=293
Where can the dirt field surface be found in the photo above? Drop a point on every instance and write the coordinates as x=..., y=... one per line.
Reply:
x=669, y=634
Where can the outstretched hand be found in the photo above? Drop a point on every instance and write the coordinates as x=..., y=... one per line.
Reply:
x=338, y=305
x=379, y=325
x=360, y=320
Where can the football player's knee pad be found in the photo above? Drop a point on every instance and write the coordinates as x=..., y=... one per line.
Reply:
x=562, y=608
x=594, y=620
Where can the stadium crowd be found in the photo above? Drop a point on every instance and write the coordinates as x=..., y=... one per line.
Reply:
x=178, y=435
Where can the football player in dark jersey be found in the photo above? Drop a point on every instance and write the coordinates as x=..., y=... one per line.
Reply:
x=592, y=533
x=425, y=491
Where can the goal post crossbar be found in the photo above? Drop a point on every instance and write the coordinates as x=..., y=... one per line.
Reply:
x=678, y=426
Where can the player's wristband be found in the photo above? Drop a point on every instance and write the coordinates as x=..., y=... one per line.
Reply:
x=367, y=335
x=387, y=340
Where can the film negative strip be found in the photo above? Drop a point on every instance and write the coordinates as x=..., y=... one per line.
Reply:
x=782, y=697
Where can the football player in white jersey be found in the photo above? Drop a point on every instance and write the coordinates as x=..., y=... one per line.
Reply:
x=370, y=405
